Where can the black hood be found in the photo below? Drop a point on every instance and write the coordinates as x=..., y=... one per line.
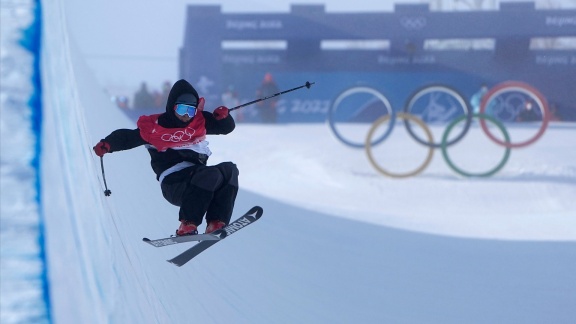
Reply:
x=181, y=89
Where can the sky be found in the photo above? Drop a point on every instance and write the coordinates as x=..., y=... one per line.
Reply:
x=131, y=41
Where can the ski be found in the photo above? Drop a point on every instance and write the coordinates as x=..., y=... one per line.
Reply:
x=250, y=217
x=180, y=239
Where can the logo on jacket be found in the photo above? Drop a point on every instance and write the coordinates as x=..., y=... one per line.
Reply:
x=179, y=136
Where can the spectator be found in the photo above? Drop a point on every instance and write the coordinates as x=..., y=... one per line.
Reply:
x=476, y=99
x=528, y=114
x=143, y=99
x=122, y=102
x=267, y=108
x=554, y=115
x=163, y=95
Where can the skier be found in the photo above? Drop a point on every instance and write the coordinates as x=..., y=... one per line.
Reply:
x=476, y=99
x=176, y=141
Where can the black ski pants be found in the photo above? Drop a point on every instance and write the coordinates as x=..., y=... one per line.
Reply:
x=202, y=189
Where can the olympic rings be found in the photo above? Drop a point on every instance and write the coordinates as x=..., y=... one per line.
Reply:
x=404, y=116
x=441, y=102
x=500, y=165
x=523, y=95
x=525, y=89
x=351, y=91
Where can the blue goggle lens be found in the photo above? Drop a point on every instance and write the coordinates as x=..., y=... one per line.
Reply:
x=184, y=109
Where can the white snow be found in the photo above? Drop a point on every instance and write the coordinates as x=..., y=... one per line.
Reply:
x=21, y=266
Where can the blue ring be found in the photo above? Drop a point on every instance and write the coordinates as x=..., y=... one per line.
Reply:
x=353, y=90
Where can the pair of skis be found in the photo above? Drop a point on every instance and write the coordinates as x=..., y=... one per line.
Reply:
x=206, y=240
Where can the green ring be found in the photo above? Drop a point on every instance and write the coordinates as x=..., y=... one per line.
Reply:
x=444, y=146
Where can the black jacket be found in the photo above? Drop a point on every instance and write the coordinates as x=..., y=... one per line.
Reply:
x=125, y=139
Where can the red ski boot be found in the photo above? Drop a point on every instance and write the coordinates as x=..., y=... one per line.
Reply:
x=214, y=225
x=186, y=228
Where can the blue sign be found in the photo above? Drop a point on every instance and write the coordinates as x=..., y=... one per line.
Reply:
x=397, y=70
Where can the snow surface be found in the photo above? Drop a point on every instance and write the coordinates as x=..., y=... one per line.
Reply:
x=22, y=275
x=338, y=242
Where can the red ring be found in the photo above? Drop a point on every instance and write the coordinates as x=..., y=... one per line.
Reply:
x=529, y=88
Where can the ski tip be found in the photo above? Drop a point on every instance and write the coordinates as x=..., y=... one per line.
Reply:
x=145, y=239
x=174, y=263
x=256, y=211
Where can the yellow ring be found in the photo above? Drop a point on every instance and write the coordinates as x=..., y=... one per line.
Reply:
x=405, y=116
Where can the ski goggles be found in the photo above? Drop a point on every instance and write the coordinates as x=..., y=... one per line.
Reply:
x=185, y=109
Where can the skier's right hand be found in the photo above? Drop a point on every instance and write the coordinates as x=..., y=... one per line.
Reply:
x=101, y=148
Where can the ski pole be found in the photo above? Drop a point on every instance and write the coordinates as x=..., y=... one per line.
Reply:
x=107, y=192
x=307, y=85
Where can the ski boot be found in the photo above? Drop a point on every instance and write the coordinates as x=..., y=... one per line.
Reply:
x=214, y=225
x=186, y=228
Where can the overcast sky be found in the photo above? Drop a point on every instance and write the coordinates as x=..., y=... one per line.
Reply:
x=129, y=41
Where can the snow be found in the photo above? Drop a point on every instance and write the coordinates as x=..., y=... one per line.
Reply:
x=338, y=242
x=22, y=280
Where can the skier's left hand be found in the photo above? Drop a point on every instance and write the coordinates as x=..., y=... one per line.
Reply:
x=220, y=113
